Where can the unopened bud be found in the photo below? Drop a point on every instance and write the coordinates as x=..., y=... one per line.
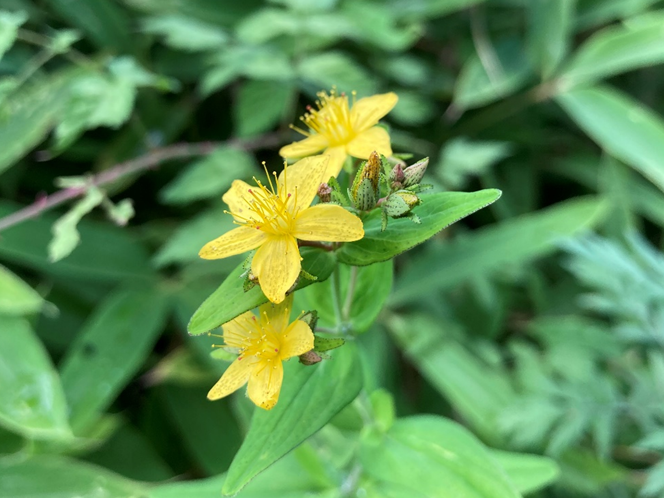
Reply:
x=413, y=174
x=397, y=177
x=310, y=358
x=365, y=189
x=325, y=192
x=400, y=203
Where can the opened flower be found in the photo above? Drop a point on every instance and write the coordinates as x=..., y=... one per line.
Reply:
x=263, y=343
x=341, y=131
x=273, y=219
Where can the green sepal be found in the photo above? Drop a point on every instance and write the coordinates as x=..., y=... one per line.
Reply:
x=310, y=318
x=365, y=197
x=322, y=344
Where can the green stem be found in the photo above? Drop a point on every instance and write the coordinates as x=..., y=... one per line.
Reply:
x=336, y=297
x=350, y=294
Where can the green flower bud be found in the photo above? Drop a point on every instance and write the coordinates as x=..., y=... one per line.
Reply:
x=365, y=189
x=413, y=174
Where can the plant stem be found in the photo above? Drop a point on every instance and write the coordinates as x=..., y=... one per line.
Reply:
x=336, y=297
x=148, y=161
x=350, y=294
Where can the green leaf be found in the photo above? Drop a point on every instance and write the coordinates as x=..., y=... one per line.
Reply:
x=107, y=253
x=328, y=69
x=413, y=108
x=230, y=299
x=550, y=23
x=309, y=398
x=476, y=87
x=436, y=212
x=620, y=125
x=461, y=158
x=372, y=288
x=17, y=297
x=477, y=391
x=515, y=241
x=260, y=105
x=32, y=402
x=418, y=9
x=435, y=457
x=103, y=21
x=185, y=33
x=527, y=472
x=109, y=350
x=591, y=13
x=208, y=177
x=65, y=236
x=9, y=24
x=47, y=476
x=615, y=50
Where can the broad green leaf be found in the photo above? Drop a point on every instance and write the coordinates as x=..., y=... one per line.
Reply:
x=103, y=21
x=372, y=287
x=527, y=472
x=621, y=126
x=591, y=13
x=328, y=69
x=9, y=24
x=461, y=158
x=309, y=398
x=435, y=457
x=208, y=177
x=260, y=105
x=17, y=297
x=48, y=476
x=191, y=235
x=107, y=253
x=418, y=9
x=185, y=33
x=230, y=299
x=31, y=114
x=549, y=25
x=413, y=109
x=436, y=212
x=109, y=350
x=65, y=236
x=477, y=391
x=615, y=50
x=382, y=27
x=481, y=83
x=515, y=241
x=32, y=402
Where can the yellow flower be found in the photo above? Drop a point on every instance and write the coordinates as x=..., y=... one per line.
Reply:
x=263, y=344
x=272, y=219
x=341, y=131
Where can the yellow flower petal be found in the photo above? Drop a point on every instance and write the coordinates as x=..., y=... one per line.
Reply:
x=373, y=139
x=296, y=340
x=265, y=383
x=277, y=266
x=235, y=376
x=328, y=223
x=307, y=147
x=238, y=199
x=367, y=111
x=237, y=241
x=336, y=164
x=277, y=314
x=236, y=332
x=303, y=178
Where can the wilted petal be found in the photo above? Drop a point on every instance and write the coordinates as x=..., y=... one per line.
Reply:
x=328, y=223
x=296, y=340
x=303, y=178
x=237, y=241
x=265, y=383
x=374, y=139
x=367, y=111
x=277, y=266
x=306, y=147
x=235, y=376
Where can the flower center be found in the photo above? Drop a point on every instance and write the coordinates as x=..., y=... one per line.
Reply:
x=331, y=119
x=262, y=340
x=271, y=209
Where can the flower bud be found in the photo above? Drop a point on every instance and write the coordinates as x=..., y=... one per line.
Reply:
x=400, y=203
x=365, y=189
x=397, y=177
x=325, y=192
x=413, y=174
x=310, y=358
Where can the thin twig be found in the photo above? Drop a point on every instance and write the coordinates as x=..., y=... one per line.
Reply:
x=136, y=165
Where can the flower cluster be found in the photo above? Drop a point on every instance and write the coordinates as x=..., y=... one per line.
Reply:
x=275, y=218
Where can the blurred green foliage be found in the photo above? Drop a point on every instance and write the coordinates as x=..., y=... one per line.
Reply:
x=534, y=326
